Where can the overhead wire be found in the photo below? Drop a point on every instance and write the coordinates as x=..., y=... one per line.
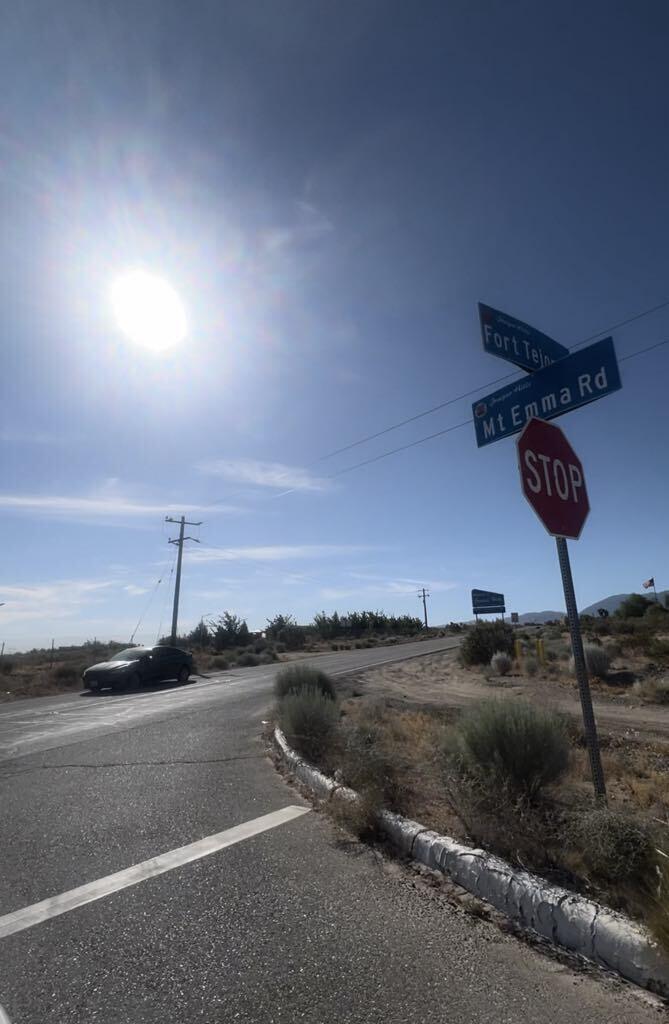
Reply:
x=482, y=387
x=464, y=423
x=167, y=595
x=145, y=610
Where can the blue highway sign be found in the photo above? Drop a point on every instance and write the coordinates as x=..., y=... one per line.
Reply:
x=520, y=344
x=577, y=380
x=485, y=602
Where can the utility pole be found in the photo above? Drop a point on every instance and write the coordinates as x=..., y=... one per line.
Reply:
x=424, y=594
x=179, y=541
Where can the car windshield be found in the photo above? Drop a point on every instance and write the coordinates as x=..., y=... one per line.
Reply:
x=130, y=654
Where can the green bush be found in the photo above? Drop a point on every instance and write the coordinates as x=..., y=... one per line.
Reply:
x=295, y=678
x=615, y=847
x=485, y=639
x=248, y=660
x=309, y=720
x=501, y=663
x=633, y=607
x=512, y=743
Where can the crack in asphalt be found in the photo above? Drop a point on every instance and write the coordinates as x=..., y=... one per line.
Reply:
x=132, y=764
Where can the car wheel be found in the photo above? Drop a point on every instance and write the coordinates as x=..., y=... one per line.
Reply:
x=184, y=673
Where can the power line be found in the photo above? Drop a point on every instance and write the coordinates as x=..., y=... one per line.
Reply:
x=482, y=387
x=448, y=430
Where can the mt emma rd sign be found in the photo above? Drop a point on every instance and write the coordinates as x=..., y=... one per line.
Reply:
x=577, y=380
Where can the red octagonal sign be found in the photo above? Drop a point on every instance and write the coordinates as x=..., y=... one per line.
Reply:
x=552, y=478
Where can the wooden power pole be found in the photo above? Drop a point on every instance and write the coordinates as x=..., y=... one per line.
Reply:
x=179, y=541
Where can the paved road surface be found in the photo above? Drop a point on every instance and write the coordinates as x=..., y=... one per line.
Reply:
x=278, y=922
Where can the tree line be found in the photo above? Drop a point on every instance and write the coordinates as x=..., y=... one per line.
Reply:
x=229, y=630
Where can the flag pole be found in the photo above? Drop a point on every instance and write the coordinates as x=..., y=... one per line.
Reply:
x=657, y=600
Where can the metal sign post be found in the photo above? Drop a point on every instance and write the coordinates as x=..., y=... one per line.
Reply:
x=581, y=670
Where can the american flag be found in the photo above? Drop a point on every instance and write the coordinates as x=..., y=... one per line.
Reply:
x=649, y=583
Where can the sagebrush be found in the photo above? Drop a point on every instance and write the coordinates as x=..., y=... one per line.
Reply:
x=501, y=663
x=511, y=744
x=597, y=661
x=295, y=678
x=308, y=719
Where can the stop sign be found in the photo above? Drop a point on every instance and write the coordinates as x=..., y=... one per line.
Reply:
x=552, y=479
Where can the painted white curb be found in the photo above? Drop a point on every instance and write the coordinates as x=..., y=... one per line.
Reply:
x=581, y=925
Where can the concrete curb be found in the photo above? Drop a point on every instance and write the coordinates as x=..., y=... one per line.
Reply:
x=581, y=925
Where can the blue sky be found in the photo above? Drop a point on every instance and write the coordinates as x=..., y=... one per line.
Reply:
x=331, y=187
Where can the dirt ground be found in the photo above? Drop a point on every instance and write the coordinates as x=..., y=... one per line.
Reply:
x=437, y=680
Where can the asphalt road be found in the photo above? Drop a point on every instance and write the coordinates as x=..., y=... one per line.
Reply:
x=291, y=924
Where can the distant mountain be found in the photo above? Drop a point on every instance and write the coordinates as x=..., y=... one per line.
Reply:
x=530, y=617
x=613, y=603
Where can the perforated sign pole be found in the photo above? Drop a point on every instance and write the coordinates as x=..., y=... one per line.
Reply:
x=553, y=482
x=581, y=671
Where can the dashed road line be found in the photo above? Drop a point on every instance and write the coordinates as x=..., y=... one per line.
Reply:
x=19, y=920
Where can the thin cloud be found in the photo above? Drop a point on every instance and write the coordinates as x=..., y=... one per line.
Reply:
x=274, y=552
x=55, y=600
x=310, y=225
x=401, y=584
x=97, y=507
x=378, y=586
x=264, y=474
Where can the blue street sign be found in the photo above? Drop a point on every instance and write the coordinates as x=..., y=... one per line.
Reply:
x=582, y=377
x=485, y=602
x=511, y=339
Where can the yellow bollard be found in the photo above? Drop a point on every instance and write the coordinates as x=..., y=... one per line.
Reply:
x=519, y=648
x=541, y=653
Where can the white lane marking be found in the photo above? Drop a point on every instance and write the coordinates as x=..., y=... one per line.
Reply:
x=55, y=905
x=4, y=1019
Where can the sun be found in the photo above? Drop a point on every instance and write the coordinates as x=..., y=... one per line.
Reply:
x=148, y=310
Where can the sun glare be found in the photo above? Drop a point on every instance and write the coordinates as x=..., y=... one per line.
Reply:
x=148, y=310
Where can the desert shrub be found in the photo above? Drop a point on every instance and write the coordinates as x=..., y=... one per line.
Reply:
x=550, y=654
x=596, y=659
x=485, y=639
x=280, y=648
x=65, y=673
x=530, y=666
x=308, y=719
x=356, y=816
x=615, y=847
x=501, y=663
x=268, y=657
x=633, y=607
x=371, y=758
x=294, y=678
x=654, y=691
x=220, y=663
x=511, y=743
x=656, y=615
x=248, y=660
x=658, y=650
x=7, y=666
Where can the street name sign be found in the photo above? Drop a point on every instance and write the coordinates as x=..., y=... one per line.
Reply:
x=517, y=342
x=552, y=479
x=486, y=602
x=580, y=378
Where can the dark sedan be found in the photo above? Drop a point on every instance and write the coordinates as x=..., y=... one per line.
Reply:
x=137, y=666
